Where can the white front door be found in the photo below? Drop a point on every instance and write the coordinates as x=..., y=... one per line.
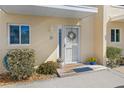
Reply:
x=71, y=44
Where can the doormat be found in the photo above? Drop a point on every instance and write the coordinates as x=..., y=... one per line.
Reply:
x=82, y=69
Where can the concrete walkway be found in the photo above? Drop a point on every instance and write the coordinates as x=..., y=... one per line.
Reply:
x=99, y=79
x=120, y=69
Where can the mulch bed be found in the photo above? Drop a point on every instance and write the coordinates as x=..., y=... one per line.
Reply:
x=5, y=78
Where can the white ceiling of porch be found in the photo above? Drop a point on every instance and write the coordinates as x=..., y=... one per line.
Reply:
x=58, y=11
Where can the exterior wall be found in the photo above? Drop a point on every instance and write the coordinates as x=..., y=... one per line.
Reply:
x=119, y=25
x=41, y=30
x=105, y=15
x=87, y=37
x=100, y=34
x=115, y=15
x=103, y=24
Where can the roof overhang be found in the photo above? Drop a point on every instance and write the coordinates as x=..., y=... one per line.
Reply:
x=67, y=11
x=117, y=18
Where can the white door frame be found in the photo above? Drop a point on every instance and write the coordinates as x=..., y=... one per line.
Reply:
x=63, y=48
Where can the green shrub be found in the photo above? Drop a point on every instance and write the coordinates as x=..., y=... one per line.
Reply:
x=21, y=63
x=112, y=63
x=91, y=59
x=113, y=55
x=47, y=68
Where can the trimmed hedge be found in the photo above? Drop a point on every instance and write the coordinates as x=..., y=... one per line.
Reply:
x=113, y=55
x=20, y=63
x=47, y=68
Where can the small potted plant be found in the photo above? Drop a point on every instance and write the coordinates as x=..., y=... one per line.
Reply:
x=91, y=60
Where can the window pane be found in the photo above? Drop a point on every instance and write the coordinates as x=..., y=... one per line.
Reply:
x=14, y=34
x=24, y=34
x=117, y=35
x=112, y=35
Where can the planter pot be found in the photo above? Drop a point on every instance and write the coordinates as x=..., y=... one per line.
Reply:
x=92, y=63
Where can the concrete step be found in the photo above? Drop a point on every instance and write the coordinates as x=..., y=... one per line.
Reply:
x=77, y=70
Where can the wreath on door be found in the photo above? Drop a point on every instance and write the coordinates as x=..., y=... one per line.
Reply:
x=71, y=35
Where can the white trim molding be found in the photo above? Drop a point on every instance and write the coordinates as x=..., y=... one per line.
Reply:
x=115, y=35
x=118, y=6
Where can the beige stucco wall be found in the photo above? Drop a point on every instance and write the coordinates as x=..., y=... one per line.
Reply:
x=102, y=26
x=115, y=15
x=41, y=30
x=119, y=25
x=98, y=34
x=87, y=37
x=92, y=35
x=101, y=21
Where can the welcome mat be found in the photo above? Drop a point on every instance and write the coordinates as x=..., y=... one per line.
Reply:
x=82, y=69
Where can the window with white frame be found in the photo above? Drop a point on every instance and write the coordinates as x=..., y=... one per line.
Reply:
x=115, y=35
x=19, y=34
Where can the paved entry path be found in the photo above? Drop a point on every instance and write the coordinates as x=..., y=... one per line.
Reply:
x=99, y=79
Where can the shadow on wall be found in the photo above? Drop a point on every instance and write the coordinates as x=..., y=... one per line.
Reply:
x=43, y=56
x=46, y=45
x=52, y=56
